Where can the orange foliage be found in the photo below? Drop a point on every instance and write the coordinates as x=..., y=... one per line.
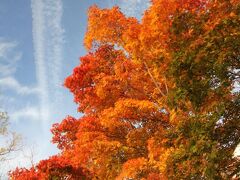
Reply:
x=152, y=93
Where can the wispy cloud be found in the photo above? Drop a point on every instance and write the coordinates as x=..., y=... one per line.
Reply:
x=5, y=47
x=48, y=42
x=10, y=83
x=29, y=113
x=9, y=57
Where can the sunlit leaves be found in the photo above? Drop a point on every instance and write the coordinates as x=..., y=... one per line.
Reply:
x=157, y=95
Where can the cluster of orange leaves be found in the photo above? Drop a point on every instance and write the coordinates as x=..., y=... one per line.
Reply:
x=121, y=86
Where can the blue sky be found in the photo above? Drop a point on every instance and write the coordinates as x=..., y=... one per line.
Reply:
x=40, y=43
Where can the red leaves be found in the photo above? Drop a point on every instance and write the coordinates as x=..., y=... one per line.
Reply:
x=65, y=133
x=24, y=174
x=82, y=83
x=58, y=166
x=132, y=88
x=53, y=168
x=102, y=78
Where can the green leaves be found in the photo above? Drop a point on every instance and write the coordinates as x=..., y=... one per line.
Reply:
x=157, y=96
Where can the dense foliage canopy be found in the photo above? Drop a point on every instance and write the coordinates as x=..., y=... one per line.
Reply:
x=159, y=97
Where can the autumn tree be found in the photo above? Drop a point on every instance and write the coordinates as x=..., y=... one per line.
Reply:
x=9, y=141
x=159, y=96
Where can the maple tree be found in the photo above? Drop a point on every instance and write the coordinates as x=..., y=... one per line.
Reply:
x=158, y=96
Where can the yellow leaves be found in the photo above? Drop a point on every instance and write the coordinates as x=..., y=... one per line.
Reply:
x=104, y=25
x=127, y=110
x=132, y=168
x=107, y=146
x=177, y=116
x=156, y=22
x=232, y=14
x=145, y=40
x=158, y=154
x=108, y=26
x=134, y=77
x=102, y=86
x=173, y=116
x=87, y=137
x=133, y=106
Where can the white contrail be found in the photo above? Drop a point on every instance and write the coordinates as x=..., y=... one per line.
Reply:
x=54, y=14
x=38, y=31
x=47, y=41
